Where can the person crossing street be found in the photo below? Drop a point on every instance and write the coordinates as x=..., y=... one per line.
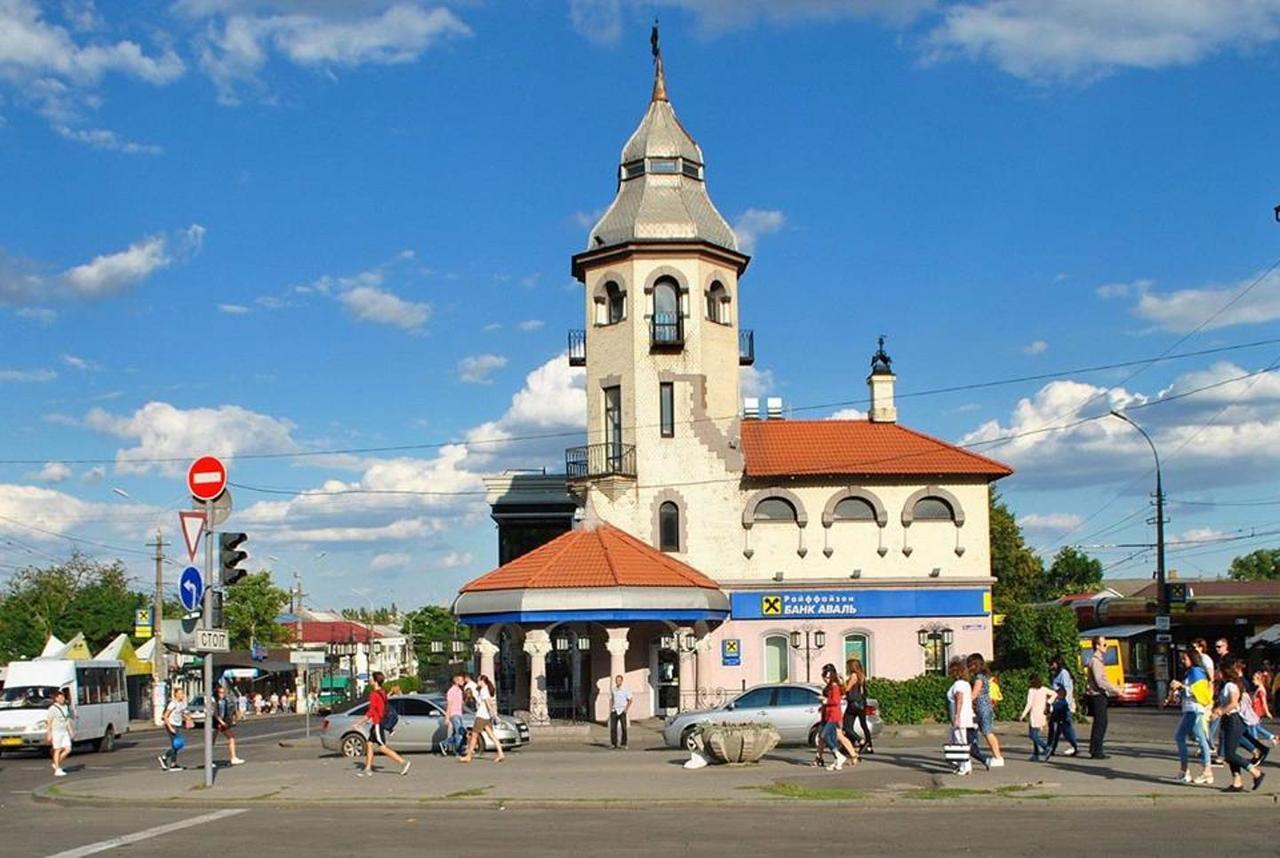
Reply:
x=381, y=719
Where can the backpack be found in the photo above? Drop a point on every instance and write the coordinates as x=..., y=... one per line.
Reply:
x=390, y=718
x=995, y=693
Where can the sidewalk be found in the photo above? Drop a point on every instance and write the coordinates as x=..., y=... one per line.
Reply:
x=581, y=775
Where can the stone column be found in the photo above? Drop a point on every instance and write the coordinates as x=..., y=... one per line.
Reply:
x=537, y=643
x=617, y=646
x=487, y=649
x=688, y=670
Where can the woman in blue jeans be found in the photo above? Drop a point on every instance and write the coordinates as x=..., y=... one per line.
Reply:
x=1195, y=694
x=984, y=711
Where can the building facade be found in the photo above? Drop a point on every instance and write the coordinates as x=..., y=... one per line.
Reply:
x=716, y=545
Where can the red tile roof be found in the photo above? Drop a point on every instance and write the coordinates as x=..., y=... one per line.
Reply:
x=603, y=556
x=793, y=448
x=329, y=631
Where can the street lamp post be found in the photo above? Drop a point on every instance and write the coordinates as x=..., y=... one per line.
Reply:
x=1162, y=593
x=813, y=642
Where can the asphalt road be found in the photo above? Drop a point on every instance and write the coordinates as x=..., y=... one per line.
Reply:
x=28, y=828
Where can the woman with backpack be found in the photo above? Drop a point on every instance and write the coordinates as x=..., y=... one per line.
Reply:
x=855, y=705
x=381, y=719
x=486, y=711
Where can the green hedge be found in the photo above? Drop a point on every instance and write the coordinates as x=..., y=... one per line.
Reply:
x=923, y=699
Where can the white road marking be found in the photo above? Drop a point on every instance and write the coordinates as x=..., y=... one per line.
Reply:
x=147, y=834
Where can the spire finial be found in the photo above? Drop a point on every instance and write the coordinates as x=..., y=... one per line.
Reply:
x=881, y=363
x=659, y=79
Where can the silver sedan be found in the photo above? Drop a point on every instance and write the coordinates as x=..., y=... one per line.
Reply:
x=422, y=727
x=793, y=709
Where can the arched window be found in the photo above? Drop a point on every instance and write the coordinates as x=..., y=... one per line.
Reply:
x=666, y=313
x=718, y=303
x=777, y=659
x=775, y=509
x=615, y=303
x=854, y=509
x=669, y=527
x=932, y=509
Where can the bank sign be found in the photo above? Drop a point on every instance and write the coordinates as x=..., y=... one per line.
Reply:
x=838, y=604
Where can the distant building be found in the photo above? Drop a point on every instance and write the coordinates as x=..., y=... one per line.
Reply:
x=700, y=543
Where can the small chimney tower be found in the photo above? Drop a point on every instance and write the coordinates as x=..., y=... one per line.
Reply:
x=880, y=386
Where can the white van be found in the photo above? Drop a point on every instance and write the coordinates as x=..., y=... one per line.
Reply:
x=99, y=701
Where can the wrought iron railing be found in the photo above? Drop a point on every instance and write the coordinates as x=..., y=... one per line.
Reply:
x=600, y=460
x=746, y=347
x=666, y=330
x=577, y=347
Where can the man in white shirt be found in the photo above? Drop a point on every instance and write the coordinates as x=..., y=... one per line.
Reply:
x=59, y=731
x=620, y=706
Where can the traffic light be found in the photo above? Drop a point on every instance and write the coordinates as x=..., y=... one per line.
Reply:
x=232, y=556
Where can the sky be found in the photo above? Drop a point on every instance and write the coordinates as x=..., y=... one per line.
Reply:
x=330, y=240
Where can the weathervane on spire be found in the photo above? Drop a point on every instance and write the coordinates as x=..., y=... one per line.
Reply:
x=659, y=79
x=881, y=363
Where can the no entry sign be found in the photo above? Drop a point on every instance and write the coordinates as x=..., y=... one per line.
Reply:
x=206, y=478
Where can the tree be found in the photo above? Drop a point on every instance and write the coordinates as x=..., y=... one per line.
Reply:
x=1072, y=571
x=1260, y=565
x=1033, y=634
x=434, y=623
x=1019, y=571
x=79, y=596
x=250, y=608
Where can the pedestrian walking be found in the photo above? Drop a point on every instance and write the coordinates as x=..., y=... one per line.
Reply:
x=984, y=710
x=960, y=707
x=1036, y=714
x=1062, y=714
x=1233, y=728
x=1253, y=729
x=457, y=737
x=224, y=721
x=855, y=705
x=486, y=709
x=1097, y=690
x=60, y=731
x=1194, y=695
x=175, y=721
x=833, y=736
x=620, y=700
x=381, y=719
x=1261, y=708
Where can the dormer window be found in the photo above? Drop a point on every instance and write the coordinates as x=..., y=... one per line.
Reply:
x=664, y=165
x=633, y=169
x=690, y=169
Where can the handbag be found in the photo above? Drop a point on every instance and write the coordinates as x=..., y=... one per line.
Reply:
x=955, y=753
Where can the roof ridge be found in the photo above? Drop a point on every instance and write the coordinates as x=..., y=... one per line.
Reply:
x=948, y=444
x=599, y=532
x=553, y=553
x=684, y=570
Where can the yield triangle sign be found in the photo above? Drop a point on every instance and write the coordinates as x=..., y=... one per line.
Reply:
x=192, y=526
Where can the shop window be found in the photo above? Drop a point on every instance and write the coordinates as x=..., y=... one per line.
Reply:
x=669, y=527
x=936, y=653
x=932, y=509
x=775, y=509
x=858, y=646
x=777, y=658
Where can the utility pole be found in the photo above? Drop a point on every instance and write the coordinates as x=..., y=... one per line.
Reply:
x=159, y=661
x=212, y=580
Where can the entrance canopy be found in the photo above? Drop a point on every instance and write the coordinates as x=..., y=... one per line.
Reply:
x=599, y=574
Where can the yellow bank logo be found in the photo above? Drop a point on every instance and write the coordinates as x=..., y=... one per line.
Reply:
x=731, y=646
x=771, y=606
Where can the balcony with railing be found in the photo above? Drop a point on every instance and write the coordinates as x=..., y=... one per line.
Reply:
x=666, y=332
x=746, y=347
x=600, y=460
x=577, y=347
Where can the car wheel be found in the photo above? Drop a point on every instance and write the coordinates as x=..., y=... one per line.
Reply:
x=107, y=743
x=353, y=746
x=688, y=739
x=813, y=737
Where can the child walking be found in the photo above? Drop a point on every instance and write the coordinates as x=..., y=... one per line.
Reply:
x=1036, y=714
x=1060, y=724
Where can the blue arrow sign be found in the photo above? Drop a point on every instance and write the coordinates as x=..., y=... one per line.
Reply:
x=191, y=588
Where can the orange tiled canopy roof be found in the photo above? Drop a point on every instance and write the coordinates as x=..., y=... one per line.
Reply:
x=600, y=557
x=792, y=448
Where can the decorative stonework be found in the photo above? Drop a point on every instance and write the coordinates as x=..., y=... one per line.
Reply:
x=908, y=506
x=670, y=496
x=748, y=511
x=829, y=511
x=721, y=444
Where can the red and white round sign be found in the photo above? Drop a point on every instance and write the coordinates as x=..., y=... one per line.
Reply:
x=207, y=478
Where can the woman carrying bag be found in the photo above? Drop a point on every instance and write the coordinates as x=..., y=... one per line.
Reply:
x=855, y=705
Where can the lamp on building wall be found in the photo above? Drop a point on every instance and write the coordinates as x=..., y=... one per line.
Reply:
x=584, y=643
x=562, y=644
x=922, y=637
x=437, y=646
x=795, y=640
x=457, y=646
x=667, y=642
x=819, y=638
x=690, y=642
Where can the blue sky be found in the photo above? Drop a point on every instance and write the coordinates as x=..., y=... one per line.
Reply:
x=296, y=227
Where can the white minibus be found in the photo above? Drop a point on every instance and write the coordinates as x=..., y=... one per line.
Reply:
x=97, y=694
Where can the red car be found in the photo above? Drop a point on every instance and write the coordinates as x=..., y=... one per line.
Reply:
x=1134, y=692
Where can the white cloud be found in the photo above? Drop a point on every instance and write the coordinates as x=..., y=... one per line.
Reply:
x=1226, y=435
x=1081, y=40
x=27, y=376
x=238, y=43
x=476, y=369
x=1186, y=309
x=587, y=219
x=1054, y=522
x=1122, y=289
x=103, y=138
x=371, y=304
x=531, y=324
x=52, y=472
x=753, y=223
x=166, y=432
x=93, y=475
x=390, y=560
x=1199, y=534
x=234, y=309
x=493, y=326
x=82, y=364
x=756, y=382
x=115, y=272
x=1035, y=347
x=43, y=315
x=56, y=511
x=848, y=414
x=455, y=560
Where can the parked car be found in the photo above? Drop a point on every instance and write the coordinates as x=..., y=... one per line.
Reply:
x=422, y=727
x=793, y=709
x=1134, y=691
x=195, y=709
